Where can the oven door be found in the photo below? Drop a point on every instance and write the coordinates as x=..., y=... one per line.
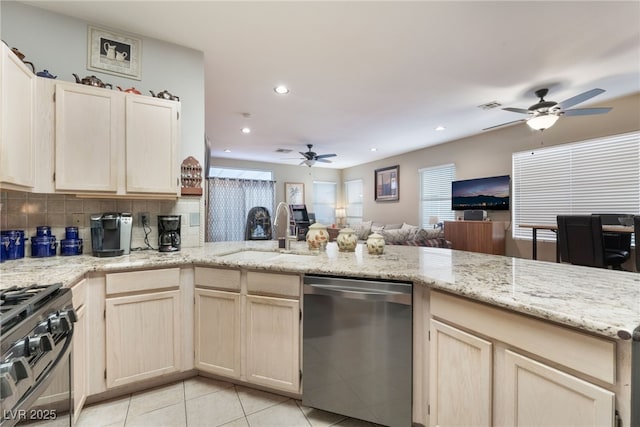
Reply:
x=50, y=400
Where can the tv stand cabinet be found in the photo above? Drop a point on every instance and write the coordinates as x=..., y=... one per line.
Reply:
x=487, y=237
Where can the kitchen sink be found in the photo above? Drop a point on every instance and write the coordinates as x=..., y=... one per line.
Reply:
x=250, y=255
x=257, y=255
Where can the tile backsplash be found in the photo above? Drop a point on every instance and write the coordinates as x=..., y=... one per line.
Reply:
x=26, y=211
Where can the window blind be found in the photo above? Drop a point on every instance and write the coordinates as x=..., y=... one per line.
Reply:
x=435, y=193
x=324, y=202
x=353, y=198
x=596, y=176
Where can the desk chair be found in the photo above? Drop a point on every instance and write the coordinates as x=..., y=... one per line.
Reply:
x=581, y=242
x=636, y=232
x=612, y=240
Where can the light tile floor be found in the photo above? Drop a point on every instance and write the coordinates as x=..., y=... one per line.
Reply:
x=205, y=402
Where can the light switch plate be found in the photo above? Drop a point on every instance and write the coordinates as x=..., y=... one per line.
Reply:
x=194, y=219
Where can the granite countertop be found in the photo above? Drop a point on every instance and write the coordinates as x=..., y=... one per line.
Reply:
x=604, y=302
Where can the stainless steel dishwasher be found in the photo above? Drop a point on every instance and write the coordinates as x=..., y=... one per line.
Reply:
x=357, y=348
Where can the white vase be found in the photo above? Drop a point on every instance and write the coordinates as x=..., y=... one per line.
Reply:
x=317, y=236
x=347, y=240
x=375, y=244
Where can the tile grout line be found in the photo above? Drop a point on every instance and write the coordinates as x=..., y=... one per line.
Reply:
x=184, y=403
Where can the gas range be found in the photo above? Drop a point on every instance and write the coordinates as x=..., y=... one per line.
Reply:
x=36, y=330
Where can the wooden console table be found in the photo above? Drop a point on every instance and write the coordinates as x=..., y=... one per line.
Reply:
x=476, y=236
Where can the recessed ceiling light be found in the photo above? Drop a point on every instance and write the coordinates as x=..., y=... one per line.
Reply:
x=246, y=130
x=281, y=90
x=373, y=149
x=440, y=128
x=226, y=150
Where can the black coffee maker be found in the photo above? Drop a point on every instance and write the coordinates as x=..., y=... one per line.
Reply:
x=168, y=233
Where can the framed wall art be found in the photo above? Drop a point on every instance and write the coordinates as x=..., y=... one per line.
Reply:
x=113, y=53
x=294, y=193
x=387, y=184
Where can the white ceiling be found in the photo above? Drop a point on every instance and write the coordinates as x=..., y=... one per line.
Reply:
x=381, y=74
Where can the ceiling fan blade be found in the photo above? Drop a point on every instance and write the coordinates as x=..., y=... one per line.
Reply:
x=505, y=124
x=586, y=111
x=322, y=156
x=323, y=160
x=517, y=110
x=580, y=98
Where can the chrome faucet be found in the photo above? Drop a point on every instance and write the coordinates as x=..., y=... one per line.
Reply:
x=287, y=235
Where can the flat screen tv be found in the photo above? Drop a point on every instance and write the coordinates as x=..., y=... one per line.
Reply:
x=481, y=193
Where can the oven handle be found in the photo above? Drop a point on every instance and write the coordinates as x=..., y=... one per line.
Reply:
x=35, y=392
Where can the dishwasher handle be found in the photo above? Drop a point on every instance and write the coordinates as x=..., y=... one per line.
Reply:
x=364, y=294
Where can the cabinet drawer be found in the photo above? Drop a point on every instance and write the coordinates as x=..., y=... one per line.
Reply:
x=287, y=285
x=585, y=353
x=146, y=280
x=217, y=278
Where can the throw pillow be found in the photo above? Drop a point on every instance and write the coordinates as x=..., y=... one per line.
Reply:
x=429, y=233
x=377, y=227
x=392, y=226
x=362, y=229
x=396, y=236
x=413, y=230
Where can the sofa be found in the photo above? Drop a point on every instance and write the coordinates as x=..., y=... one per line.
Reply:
x=403, y=234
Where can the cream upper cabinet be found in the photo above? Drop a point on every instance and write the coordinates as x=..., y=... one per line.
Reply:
x=493, y=367
x=17, y=153
x=151, y=145
x=144, y=326
x=114, y=143
x=87, y=138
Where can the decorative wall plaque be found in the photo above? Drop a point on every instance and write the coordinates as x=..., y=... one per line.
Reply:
x=191, y=177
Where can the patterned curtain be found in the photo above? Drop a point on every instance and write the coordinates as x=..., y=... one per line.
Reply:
x=229, y=203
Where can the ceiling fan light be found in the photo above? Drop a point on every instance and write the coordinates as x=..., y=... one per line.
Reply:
x=309, y=162
x=542, y=121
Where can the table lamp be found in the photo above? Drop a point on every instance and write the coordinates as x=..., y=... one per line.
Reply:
x=341, y=213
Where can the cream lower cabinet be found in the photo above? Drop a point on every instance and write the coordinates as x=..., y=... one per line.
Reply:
x=461, y=377
x=247, y=326
x=491, y=367
x=217, y=330
x=538, y=395
x=79, y=359
x=272, y=340
x=17, y=111
x=143, y=327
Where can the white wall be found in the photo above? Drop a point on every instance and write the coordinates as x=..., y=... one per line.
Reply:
x=58, y=43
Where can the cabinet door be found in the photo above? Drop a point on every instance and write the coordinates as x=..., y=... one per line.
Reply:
x=151, y=145
x=273, y=342
x=461, y=377
x=217, y=332
x=143, y=336
x=17, y=92
x=79, y=362
x=539, y=395
x=88, y=132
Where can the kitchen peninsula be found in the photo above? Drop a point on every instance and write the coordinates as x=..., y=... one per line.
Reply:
x=502, y=330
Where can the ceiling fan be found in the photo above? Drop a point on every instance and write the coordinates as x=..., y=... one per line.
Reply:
x=543, y=114
x=309, y=158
